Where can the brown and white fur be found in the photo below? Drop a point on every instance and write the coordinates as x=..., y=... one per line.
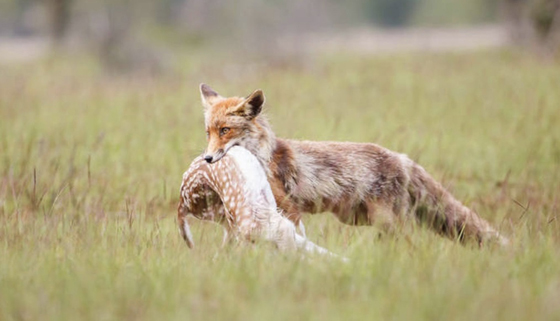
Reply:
x=235, y=193
x=360, y=183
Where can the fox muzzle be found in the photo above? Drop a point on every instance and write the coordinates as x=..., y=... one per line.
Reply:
x=212, y=158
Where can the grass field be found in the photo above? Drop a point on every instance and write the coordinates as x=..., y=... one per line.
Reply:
x=91, y=167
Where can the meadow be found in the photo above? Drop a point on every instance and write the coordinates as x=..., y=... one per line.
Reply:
x=91, y=164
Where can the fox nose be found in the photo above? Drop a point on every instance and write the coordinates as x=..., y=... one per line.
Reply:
x=208, y=158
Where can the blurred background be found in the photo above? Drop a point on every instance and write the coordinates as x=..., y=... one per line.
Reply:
x=100, y=114
x=146, y=35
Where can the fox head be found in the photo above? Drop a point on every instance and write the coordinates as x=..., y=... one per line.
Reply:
x=230, y=122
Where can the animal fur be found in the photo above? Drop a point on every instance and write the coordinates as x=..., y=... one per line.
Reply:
x=360, y=183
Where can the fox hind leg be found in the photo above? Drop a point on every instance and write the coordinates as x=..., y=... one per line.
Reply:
x=381, y=215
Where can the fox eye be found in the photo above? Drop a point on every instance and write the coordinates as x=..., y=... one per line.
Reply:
x=207, y=134
x=224, y=130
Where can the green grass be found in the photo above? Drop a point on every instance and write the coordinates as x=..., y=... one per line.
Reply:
x=91, y=166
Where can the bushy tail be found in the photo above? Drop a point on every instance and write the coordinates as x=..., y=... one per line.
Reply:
x=435, y=206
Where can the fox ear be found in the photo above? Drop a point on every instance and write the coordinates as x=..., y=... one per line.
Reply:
x=208, y=95
x=251, y=106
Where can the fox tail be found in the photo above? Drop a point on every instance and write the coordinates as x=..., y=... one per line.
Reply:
x=434, y=205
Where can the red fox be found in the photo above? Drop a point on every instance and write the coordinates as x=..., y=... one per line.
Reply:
x=360, y=183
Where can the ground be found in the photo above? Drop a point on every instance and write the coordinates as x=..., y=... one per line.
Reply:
x=91, y=166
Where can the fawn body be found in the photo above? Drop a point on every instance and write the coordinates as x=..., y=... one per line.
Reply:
x=235, y=193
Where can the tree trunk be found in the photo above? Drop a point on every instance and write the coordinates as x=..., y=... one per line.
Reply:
x=535, y=23
x=59, y=17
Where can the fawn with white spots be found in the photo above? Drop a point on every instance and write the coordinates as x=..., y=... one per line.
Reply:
x=235, y=193
x=360, y=183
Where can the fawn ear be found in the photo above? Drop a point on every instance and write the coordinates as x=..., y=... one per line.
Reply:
x=208, y=96
x=251, y=106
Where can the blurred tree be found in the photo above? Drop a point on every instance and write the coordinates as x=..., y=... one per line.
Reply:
x=535, y=23
x=391, y=13
x=544, y=15
x=59, y=17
